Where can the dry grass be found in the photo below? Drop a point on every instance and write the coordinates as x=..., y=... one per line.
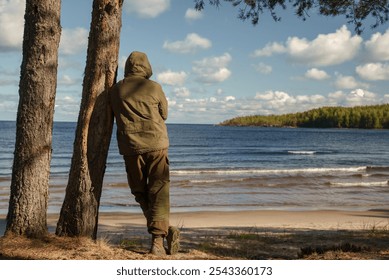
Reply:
x=212, y=243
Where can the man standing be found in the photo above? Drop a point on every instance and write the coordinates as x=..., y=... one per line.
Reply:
x=140, y=109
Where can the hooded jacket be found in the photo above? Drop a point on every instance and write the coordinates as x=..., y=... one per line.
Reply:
x=140, y=108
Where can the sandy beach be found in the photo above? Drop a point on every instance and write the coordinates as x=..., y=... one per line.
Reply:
x=119, y=222
x=246, y=234
x=330, y=220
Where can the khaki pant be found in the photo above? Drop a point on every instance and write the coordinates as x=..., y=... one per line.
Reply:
x=149, y=181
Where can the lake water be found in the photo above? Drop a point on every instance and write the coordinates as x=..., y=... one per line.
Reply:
x=238, y=168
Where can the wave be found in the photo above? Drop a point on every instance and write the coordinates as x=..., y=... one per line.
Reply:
x=377, y=168
x=267, y=171
x=302, y=152
x=361, y=184
x=214, y=181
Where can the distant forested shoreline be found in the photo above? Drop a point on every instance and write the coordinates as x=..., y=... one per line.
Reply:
x=367, y=117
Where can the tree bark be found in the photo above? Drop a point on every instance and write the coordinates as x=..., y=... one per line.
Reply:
x=79, y=213
x=27, y=211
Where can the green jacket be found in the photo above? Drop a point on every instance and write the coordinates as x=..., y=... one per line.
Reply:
x=140, y=108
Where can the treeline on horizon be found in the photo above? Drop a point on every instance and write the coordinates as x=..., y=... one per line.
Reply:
x=367, y=117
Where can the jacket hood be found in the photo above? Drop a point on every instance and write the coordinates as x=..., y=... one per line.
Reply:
x=138, y=64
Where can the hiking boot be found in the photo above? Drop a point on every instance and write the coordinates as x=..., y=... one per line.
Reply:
x=157, y=248
x=173, y=240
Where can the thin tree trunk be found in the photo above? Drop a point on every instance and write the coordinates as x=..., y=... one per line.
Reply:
x=27, y=211
x=79, y=213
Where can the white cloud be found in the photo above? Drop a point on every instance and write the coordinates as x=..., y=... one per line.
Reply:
x=378, y=46
x=270, y=49
x=280, y=102
x=263, y=68
x=316, y=74
x=324, y=50
x=356, y=97
x=213, y=69
x=358, y=92
x=190, y=44
x=217, y=109
x=360, y=97
x=229, y=98
x=374, y=71
x=276, y=100
x=73, y=41
x=193, y=14
x=334, y=97
x=172, y=78
x=11, y=24
x=348, y=82
x=146, y=8
x=208, y=110
x=181, y=92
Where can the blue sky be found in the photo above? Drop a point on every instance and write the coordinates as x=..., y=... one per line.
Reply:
x=212, y=66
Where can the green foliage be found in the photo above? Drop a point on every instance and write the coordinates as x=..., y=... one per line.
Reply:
x=369, y=117
x=355, y=11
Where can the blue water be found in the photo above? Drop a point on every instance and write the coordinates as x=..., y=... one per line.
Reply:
x=239, y=168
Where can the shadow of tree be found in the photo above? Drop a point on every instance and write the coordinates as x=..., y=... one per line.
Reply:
x=270, y=243
x=131, y=241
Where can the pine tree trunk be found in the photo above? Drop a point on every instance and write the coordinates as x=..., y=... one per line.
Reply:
x=38, y=80
x=79, y=213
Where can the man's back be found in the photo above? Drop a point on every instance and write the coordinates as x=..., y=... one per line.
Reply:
x=140, y=109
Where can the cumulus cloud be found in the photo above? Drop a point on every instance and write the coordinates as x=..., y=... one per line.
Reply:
x=208, y=110
x=374, y=71
x=263, y=68
x=11, y=24
x=324, y=50
x=270, y=49
x=276, y=99
x=378, y=46
x=229, y=98
x=146, y=8
x=193, y=14
x=355, y=97
x=280, y=102
x=316, y=74
x=181, y=92
x=334, y=97
x=348, y=82
x=212, y=69
x=192, y=43
x=73, y=41
x=217, y=109
x=360, y=97
x=172, y=78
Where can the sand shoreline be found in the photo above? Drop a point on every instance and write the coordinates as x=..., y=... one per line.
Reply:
x=117, y=222
x=243, y=235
